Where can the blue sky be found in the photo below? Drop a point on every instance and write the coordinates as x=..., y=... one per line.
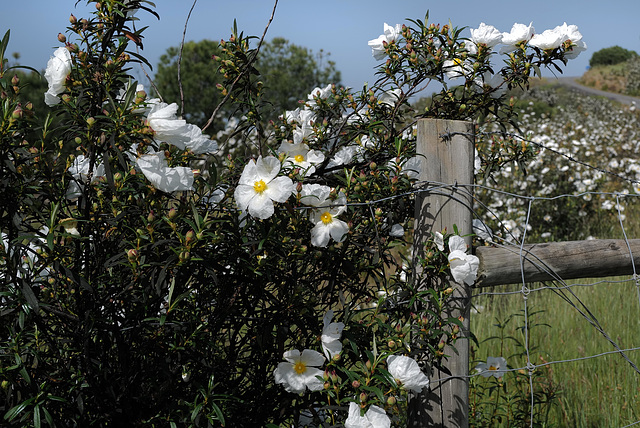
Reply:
x=340, y=27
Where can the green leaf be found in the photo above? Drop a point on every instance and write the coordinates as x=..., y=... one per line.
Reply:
x=16, y=410
x=36, y=416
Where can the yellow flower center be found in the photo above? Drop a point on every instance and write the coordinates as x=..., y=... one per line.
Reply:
x=259, y=186
x=457, y=61
x=298, y=158
x=493, y=368
x=326, y=217
x=299, y=367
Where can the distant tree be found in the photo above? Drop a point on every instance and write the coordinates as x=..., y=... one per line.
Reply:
x=288, y=72
x=610, y=56
x=199, y=79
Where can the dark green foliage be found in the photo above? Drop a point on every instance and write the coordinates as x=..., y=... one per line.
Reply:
x=612, y=55
x=287, y=72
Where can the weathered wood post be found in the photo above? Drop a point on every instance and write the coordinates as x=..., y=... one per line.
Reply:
x=447, y=151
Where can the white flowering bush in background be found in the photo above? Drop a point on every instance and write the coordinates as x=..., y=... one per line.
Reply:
x=561, y=127
x=148, y=281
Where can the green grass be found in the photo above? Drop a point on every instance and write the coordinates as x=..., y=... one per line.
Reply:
x=595, y=392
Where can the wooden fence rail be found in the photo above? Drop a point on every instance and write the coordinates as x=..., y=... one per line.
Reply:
x=597, y=258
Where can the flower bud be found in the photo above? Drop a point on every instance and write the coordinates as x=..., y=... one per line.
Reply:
x=15, y=80
x=173, y=213
x=73, y=19
x=132, y=255
x=17, y=113
x=62, y=38
x=363, y=398
x=355, y=384
x=190, y=236
x=90, y=121
x=391, y=401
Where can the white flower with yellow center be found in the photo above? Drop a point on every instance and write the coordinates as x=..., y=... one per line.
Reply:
x=300, y=371
x=260, y=187
x=300, y=156
x=495, y=366
x=327, y=226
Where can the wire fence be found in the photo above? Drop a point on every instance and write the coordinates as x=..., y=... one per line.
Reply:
x=562, y=288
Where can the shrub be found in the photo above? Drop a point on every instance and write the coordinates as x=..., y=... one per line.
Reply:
x=610, y=56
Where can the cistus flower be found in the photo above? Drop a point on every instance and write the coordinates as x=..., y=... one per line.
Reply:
x=374, y=417
x=390, y=34
x=495, y=366
x=168, y=128
x=331, y=333
x=551, y=39
x=300, y=371
x=167, y=179
x=80, y=172
x=58, y=68
x=407, y=373
x=324, y=217
x=519, y=33
x=301, y=156
x=260, y=187
x=464, y=267
x=487, y=35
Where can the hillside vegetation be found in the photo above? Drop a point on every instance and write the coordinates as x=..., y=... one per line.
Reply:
x=614, y=74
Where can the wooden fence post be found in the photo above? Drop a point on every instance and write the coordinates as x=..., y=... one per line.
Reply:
x=447, y=151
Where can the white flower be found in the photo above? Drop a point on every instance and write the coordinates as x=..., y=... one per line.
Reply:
x=391, y=34
x=259, y=187
x=397, y=231
x=390, y=98
x=551, y=39
x=375, y=417
x=300, y=155
x=80, y=172
x=548, y=39
x=493, y=82
x=154, y=166
x=481, y=230
x=407, y=373
x=300, y=371
x=343, y=156
x=495, y=366
x=486, y=35
x=438, y=239
x=70, y=226
x=58, y=68
x=322, y=93
x=464, y=267
x=324, y=217
x=456, y=68
x=163, y=119
x=331, y=333
x=519, y=33
x=575, y=49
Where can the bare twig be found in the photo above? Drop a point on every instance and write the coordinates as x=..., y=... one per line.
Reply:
x=184, y=34
x=246, y=69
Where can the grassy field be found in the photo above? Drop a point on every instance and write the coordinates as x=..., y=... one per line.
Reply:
x=592, y=392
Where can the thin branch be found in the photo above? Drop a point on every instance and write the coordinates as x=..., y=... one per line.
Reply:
x=184, y=34
x=246, y=69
